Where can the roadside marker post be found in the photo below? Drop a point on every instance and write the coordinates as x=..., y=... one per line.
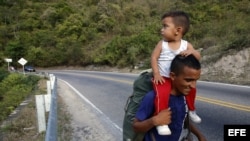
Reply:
x=40, y=113
x=47, y=97
x=8, y=60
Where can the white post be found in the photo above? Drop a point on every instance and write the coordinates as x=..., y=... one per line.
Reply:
x=47, y=97
x=48, y=87
x=52, y=81
x=47, y=100
x=8, y=66
x=40, y=113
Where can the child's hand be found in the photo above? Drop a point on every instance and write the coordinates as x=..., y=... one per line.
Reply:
x=158, y=79
x=186, y=52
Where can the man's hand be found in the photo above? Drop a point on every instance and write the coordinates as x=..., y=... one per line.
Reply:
x=162, y=118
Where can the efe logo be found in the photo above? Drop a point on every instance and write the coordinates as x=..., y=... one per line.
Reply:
x=236, y=132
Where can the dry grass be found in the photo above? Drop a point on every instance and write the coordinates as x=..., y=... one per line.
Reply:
x=22, y=126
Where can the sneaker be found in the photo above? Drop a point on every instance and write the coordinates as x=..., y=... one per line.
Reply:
x=194, y=117
x=163, y=130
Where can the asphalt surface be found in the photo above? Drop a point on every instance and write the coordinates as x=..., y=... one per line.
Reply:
x=105, y=95
x=85, y=120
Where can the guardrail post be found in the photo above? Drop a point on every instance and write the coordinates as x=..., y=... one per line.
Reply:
x=47, y=97
x=40, y=113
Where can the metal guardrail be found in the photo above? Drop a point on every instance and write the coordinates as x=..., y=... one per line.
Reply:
x=51, y=132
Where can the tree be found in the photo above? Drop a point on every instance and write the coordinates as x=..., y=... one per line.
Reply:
x=15, y=50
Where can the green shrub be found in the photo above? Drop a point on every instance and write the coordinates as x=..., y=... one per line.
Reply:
x=3, y=73
x=14, y=89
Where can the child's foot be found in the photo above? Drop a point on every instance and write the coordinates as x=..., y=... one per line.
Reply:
x=194, y=117
x=163, y=130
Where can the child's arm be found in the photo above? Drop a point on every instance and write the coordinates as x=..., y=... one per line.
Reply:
x=191, y=50
x=154, y=63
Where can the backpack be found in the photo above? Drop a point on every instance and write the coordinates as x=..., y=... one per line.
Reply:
x=141, y=86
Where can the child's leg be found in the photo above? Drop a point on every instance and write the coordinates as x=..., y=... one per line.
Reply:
x=190, y=99
x=162, y=92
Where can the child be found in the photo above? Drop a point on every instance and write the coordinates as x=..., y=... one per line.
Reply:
x=175, y=26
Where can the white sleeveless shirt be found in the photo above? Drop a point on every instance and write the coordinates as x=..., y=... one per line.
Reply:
x=167, y=55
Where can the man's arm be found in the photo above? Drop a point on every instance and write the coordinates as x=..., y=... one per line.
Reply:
x=196, y=132
x=163, y=118
x=143, y=126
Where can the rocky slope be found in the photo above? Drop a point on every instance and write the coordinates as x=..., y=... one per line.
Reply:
x=233, y=68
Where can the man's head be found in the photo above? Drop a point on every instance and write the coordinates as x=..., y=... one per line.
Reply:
x=184, y=73
x=174, y=23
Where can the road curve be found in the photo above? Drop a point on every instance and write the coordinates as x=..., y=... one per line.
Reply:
x=218, y=104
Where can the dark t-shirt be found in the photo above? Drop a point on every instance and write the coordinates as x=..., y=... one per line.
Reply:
x=178, y=108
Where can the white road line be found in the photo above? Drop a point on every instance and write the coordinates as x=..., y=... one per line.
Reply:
x=226, y=84
x=91, y=104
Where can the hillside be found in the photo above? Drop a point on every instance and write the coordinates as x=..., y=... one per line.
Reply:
x=121, y=34
x=232, y=68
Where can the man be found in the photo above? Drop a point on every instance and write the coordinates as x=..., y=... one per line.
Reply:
x=184, y=73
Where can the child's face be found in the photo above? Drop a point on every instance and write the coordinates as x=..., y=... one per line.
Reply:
x=169, y=30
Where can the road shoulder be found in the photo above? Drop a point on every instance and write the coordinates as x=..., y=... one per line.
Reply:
x=84, y=121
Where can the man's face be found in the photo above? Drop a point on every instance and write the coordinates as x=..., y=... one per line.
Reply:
x=185, y=81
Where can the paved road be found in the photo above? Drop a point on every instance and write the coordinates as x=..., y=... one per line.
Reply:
x=106, y=94
x=88, y=124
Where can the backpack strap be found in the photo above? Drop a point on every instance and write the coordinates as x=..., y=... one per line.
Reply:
x=128, y=101
x=188, y=136
x=188, y=125
x=152, y=136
